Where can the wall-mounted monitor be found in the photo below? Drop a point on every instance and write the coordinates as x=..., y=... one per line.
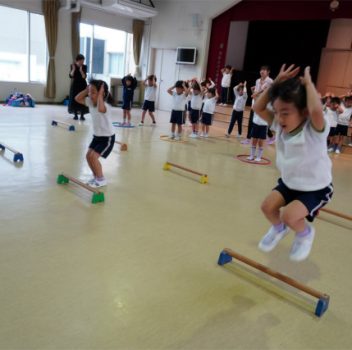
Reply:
x=186, y=55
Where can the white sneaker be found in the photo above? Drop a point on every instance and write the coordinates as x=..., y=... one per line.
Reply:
x=97, y=183
x=201, y=134
x=331, y=149
x=270, y=240
x=177, y=138
x=91, y=181
x=250, y=158
x=258, y=159
x=302, y=246
x=193, y=135
x=205, y=135
x=337, y=151
x=172, y=136
x=350, y=144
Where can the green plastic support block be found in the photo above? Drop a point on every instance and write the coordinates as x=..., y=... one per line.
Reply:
x=98, y=197
x=61, y=179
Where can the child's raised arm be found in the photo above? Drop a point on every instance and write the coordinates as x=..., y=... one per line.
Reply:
x=80, y=98
x=101, y=104
x=313, y=102
x=169, y=90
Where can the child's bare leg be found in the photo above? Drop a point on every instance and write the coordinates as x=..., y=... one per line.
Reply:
x=88, y=157
x=293, y=215
x=152, y=116
x=95, y=164
x=128, y=113
x=124, y=115
x=179, y=129
x=173, y=128
x=207, y=129
x=271, y=207
x=143, y=115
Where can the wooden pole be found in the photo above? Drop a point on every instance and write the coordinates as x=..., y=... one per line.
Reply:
x=336, y=213
x=276, y=275
x=9, y=148
x=80, y=183
x=186, y=169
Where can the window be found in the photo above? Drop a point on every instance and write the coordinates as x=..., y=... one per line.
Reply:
x=110, y=54
x=23, y=51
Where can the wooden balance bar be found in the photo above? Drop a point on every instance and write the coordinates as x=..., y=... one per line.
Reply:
x=203, y=177
x=17, y=156
x=57, y=122
x=97, y=195
x=123, y=146
x=227, y=254
x=336, y=213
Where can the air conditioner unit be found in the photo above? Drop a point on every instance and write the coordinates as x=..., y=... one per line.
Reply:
x=129, y=8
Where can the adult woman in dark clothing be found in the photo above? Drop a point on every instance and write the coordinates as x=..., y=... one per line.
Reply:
x=78, y=76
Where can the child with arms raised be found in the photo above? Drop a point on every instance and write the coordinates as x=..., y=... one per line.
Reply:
x=305, y=185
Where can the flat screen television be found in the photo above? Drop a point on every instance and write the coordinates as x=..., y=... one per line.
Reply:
x=186, y=55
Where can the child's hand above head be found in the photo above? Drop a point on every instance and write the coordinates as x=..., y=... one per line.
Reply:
x=287, y=73
x=245, y=83
x=306, y=79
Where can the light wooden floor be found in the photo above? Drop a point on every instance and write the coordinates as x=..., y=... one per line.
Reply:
x=139, y=271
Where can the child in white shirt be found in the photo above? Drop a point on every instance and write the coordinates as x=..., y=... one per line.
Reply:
x=210, y=100
x=344, y=115
x=301, y=156
x=149, y=98
x=226, y=84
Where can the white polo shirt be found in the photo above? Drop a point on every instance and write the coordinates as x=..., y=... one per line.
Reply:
x=226, y=80
x=209, y=105
x=102, y=125
x=178, y=101
x=302, y=158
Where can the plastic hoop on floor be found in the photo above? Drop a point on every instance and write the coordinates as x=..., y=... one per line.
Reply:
x=243, y=158
x=121, y=125
x=167, y=138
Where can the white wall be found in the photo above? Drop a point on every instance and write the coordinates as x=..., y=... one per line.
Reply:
x=236, y=47
x=186, y=23
x=63, y=49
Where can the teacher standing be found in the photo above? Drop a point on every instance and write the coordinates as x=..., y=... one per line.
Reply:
x=78, y=75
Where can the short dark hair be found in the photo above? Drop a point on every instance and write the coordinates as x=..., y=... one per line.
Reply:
x=228, y=66
x=151, y=77
x=290, y=90
x=98, y=83
x=129, y=78
x=348, y=98
x=212, y=91
x=335, y=100
x=179, y=84
x=196, y=86
x=80, y=57
x=265, y=67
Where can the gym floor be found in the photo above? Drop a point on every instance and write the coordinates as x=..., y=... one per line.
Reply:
x=140, y=270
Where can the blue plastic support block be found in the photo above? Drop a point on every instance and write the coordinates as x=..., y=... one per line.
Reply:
x=71, y=128
x=224, y=258
x=54, y=123
x=2, y=147
x=322, y=306
x=18, y=157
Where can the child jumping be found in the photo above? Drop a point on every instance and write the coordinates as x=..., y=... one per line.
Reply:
x=129, y=84
x=179, y=97
x=301, y=156
x=103, y=135
x=239, y=105
x=149, y=98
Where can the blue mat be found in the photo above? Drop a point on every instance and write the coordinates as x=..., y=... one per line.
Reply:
x=121, y=125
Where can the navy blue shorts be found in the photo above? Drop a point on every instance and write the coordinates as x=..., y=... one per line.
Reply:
x=341, y=130
x=312, y=200
x=207, y=118
x=127, y=104
x=332, y=131
x=177, y=117
x=102, y=145
x=148, y=106
x=259, y=131
x=194, y=115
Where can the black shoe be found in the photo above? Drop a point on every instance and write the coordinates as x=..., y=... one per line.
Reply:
x=75, y=117
x=82, y=118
